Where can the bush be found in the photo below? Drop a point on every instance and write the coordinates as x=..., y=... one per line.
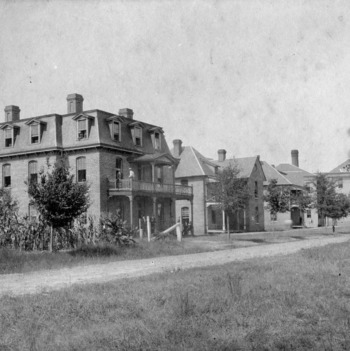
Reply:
x=97, y=250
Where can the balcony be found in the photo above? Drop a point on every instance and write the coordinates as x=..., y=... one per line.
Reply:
x=135, y=187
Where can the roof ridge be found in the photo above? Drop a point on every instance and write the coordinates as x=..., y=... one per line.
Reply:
x=195, y=156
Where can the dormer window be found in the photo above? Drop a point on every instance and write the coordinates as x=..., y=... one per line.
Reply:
x=84, y=123
x=36, y=128
x=82, y=129
x=9, y=137
x=34, y=133
x=156, y=135
x=136, y=133
x=115, y=127
x=10, y=133
x=116, y=131
x=138, y=136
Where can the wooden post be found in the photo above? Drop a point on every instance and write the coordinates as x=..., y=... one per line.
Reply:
x=140, y=228
x=51, y=238
x=178, y=233
x=148, y=229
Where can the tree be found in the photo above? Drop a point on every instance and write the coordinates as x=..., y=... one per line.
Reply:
x=57, y=197
x=328, y=202
x=230, y=191
x=277, y=198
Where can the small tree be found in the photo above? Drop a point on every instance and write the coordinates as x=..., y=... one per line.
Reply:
x=277, y=198
x=230, y=191
x=58, y=198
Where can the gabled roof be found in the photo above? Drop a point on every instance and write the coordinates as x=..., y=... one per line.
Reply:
x=245, y=165
x=193, y=163
x=157, y=157
x=342, y=168
x=294, y=174
x=82, y=115
x=273, y=173
x=10, y=126
x=35, y=121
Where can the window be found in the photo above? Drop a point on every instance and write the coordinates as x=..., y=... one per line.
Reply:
x=6, y=176
x=184, y=182
x=34, y=133
x=82, y=129
x=157, y=141
x=308, y=213
x=81, y=169
x=8, y=137
x=118, y=163
x=273, y=217
x=257, y=214
x=256, y=190
x=139, y=172
x=340, y=183
x=116, y=131
x=138, y=136
x=159, y=171
x=33, y=171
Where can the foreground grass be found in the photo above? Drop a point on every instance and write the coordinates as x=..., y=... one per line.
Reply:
x=295, y=302
x=12, y=261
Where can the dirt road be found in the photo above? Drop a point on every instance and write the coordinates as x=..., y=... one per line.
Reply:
x=36, y=282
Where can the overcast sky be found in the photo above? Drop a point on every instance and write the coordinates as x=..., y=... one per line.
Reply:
x=252, y=77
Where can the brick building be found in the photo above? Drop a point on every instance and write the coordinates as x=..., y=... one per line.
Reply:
x=126, y=162
x=199, y=172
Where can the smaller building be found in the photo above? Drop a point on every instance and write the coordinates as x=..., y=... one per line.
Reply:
x=198, y=171
x=300, y=179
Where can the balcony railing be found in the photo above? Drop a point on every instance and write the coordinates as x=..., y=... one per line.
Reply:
x=130, y=185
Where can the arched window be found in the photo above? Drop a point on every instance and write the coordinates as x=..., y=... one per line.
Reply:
x=33, y=171
x=81, y=169
x=6, y=176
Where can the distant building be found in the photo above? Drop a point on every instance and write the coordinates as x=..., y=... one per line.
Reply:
x=126, y=162
x=299, y=179
x=199, y=172
x=341, y=176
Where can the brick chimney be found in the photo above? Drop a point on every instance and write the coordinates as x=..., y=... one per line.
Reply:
x=295, y=158
x=221, y=155
x=177, y=147
x=74, y=103
x=126, y=112
x=12, y=113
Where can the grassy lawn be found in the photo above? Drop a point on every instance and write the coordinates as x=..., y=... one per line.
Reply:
x=294, y=302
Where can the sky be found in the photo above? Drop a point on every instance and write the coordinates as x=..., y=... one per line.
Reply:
x=253, y=77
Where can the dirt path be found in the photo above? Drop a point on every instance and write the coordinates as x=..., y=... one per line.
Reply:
x=36, y=282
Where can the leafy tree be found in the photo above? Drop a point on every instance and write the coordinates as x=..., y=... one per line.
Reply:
x=328, y=202
x=230, y=191
x=277, y=198
x=57, y=197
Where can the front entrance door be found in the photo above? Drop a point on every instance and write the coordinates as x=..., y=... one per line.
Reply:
x=296, y=216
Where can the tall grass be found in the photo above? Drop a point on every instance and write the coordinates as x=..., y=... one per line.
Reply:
x=13, y=261
x=295, y=302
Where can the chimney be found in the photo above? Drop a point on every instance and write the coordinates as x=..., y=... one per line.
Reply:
x=12, y=113
x=295, y=158
x=126, y=112
x=221, y=155
x=74, y=103
x=177, y=147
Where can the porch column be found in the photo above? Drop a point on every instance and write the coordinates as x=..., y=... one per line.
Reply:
x=131, y=201
x=153, y=172
x=223, y=221
x=155, y=212
x=192, y=221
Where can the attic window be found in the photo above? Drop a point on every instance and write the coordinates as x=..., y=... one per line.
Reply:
x=9, y=137
x=116, y=131
x=138, y=136
x=82, y=129
x=34, y=134
x=157, y=141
